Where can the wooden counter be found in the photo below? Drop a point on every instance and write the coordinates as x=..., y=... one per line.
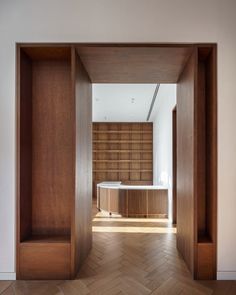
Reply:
x=133, y=201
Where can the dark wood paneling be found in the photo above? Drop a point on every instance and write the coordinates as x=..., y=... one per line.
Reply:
x=46, y=166
x=44, y=261
x=48, y=53
x=114, y=200
x=174, y=166
x=185, y=162
x=134, y=203
x=204, y=228
x=137, y=202
x=205, y=263
x=134, y=64
x=82, y=224
x=206, y=164
x=52, y=146
x=104, y=199
x=201, y=149
x=25, y=149
x=196, y=163
x=157, y=202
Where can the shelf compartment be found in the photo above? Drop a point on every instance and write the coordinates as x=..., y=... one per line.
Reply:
x=122, y=152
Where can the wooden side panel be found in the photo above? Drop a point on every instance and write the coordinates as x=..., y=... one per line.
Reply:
x=157, y=202
x=201, y=150
x=103, y=198
x=114, y=201
x=185, y=162
x=123, y=203
x=206, y=164
x=25, y=149
x=174, y=166
x=137, y=202
x=82, y=227
x=52, y=142
x=44, y=261
x=206, y=261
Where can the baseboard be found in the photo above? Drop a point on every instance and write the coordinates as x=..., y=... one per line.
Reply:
x=7, y=276
x=226, y=275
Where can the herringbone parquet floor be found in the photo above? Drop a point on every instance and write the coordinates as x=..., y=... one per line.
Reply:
x=129, y=256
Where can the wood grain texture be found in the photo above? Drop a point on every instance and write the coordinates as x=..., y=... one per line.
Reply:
x=185, y=162
x=201, y=150
x=103, y=200
x=157, y=202
x=207, y=164
x=25, y=148
x=52, y=146
x=82, y=227
x=142, y=263
x=126, y=64
x=114, y=200
x=196, y=163
x=134, y=203
x=206, y=261
x=53, y=228
x=174, y=166
x=48, y=52
x=45, y=261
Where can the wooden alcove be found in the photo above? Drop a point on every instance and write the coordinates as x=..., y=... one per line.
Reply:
x=54, y=148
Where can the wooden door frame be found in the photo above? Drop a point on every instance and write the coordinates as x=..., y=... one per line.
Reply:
x=211, y=109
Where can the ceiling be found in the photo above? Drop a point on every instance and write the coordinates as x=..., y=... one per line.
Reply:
x=122, y=102
x=129, y=64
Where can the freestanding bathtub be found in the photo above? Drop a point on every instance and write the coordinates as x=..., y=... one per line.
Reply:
x=132, y=200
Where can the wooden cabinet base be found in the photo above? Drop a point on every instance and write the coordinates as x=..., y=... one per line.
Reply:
x=205, y=261
x=134, y=202
x=44, y=261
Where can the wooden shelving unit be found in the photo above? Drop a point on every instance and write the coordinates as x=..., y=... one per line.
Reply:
x=52, y=241
x=122, y=152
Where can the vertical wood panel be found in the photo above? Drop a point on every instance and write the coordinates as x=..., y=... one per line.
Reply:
x=157, y=202
x=25, y=156
x=52, y=146
x=139, y=203
x=174, y=166
x=185, y=162
x=82, y=224
x=206, y=164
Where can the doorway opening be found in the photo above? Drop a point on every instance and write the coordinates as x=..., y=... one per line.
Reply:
x=54, y=94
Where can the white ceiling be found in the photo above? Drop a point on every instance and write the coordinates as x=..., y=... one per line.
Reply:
x=122, y=102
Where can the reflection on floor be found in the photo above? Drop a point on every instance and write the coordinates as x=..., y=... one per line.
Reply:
x=129, y=256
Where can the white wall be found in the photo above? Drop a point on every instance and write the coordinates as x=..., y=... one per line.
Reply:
x=121, y=21
x=162, y=138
